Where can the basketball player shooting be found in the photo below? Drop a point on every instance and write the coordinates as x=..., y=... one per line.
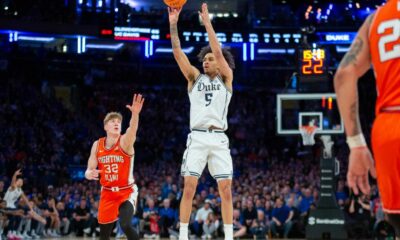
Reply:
x=209, y=95
x=111, y=160
x=376, y=43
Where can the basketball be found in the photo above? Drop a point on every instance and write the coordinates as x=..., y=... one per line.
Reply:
x=175, y=3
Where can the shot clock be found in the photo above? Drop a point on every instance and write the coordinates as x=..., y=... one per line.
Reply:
x=312, y=70
x=312, y=62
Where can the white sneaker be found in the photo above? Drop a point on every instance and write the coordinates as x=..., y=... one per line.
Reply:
x=120, y=235
x=53, y=233
x=86, y=230
x=146, y=236
x=18, y=235
x=26, y=236
x=203, y=236
x=34, y=235
x=98, y=229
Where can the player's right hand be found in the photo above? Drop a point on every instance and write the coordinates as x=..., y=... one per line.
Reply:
x=360, y=164
x=18, y=172
x=92, y=174
x=173, y=14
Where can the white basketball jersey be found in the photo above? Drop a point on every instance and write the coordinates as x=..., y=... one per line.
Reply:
x=11, y=197
x=209, y=101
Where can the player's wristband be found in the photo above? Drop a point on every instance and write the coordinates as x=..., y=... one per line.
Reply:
x=87, y=174
x=356, y=141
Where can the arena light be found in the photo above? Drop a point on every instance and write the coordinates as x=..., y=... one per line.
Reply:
x=36, y=39
x=105, y=46
x=252, y=51
x=245, y=52
x=151, y=48
x=83, y=44
x=78, y=48
x=340, y=49
x=187, y=50
x=271, y=50
x=146, y=50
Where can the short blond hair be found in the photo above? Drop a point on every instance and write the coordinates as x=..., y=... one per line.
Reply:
x=112, y=115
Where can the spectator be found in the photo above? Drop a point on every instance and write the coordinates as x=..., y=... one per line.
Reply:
x=249, y=215
x=80, y=218
x=210, y=226
x=239, y=229
x=281, y=218
x=201, y=217
x=259, y=228
x=167, y=217
x=151, y=218
x=360, y=216
x=63, y=228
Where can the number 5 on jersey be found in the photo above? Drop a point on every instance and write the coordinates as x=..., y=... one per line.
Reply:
x=208, y=99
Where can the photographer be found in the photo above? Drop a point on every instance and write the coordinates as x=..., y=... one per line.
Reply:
x=359, y=216
x=259, y=228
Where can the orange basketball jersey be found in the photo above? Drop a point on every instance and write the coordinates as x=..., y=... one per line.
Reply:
x=116, y=165
x=384, y=39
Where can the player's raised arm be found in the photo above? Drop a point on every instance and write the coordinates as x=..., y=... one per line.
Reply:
x=224, y=69
x=189, y=71
x=129, y=138
x=91, y=172
x=14, y=179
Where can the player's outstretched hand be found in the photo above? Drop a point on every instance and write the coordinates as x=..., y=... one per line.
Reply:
x=93, y=174
x=173, y=14
x=360, y=164
x=137, y=103
x=205, y=17
x=18, y=172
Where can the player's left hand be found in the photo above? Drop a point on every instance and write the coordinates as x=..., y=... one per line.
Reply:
x=137, y=104
x=360, y=164
x=205, y=17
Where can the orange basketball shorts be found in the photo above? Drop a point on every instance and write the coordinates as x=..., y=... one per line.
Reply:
x=110, y=202
x=386, y=149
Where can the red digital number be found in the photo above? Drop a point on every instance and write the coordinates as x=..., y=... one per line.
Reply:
x=318, y=67
x=307, y=64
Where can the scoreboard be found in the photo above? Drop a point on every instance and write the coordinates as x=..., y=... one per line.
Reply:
x=257, y=36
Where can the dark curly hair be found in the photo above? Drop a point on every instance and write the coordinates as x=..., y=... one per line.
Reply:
x=225, y=51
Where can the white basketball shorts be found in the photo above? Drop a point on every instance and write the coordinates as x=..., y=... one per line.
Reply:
x=207, y=146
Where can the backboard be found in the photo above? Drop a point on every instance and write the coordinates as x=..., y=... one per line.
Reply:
x=298, y=109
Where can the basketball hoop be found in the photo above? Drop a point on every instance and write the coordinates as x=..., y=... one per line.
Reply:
x=307, y=133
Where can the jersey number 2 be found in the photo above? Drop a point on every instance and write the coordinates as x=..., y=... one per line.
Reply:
x=208, y=99
x=384, y=53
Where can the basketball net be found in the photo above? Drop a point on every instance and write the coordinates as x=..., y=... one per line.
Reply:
x=308, y=133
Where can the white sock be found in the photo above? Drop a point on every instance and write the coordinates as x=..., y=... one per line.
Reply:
x=228, y=230
x=183, y=231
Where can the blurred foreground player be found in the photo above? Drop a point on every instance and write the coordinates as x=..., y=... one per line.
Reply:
x=113, y=155
x=377, y=43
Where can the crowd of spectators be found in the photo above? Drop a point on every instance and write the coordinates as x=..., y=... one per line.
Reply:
x=48, y=131
x=47, y=134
